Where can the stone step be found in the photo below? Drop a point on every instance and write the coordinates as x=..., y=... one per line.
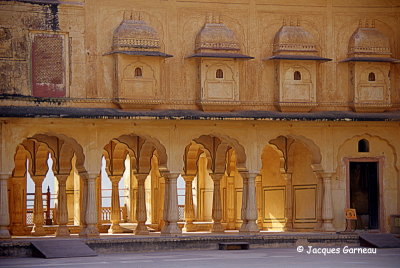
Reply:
x=379, y=240
x=61, y=248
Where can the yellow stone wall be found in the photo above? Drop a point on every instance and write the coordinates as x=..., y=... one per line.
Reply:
x=88, y=28
x=92, y=81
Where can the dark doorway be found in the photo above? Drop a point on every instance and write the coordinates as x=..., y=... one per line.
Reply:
x=364, y=193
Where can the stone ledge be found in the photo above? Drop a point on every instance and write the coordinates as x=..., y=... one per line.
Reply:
x=106, y=245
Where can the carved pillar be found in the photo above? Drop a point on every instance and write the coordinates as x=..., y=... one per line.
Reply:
x=230, y=202
x=91, y=229
x=161, y=210
x=83, y=189
x=171, y=213
x=62, y=210
x=289, y=202
x=189, y=207
x=141, y=213
x=4, y=208
x=251, y=204
x=327, y=209
x=244, y=203
x=115, y=206
x=217, y=206
x=259, y=196
x=98, y=202
x=38, y=217
x=18, y=206
x=318, y=226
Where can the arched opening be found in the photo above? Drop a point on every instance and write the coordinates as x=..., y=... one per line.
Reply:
x=133, y=190
x=138, y=72
x=212, y=169
x=289, y=193
x=297, y=75
x=219, y=74
x=371, y=77
x=41, y=163
x=363, y=146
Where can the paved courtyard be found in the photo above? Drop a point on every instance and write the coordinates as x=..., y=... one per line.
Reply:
x=215, y=259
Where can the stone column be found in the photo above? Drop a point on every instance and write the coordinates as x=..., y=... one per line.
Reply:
x=327, y=209
x=91, y=229
x=217, y=206
x=289, y=202
x=189, y=207
x=4, y=208
x=141, y=213
x=171, y=213
x=18, y=206
x=259, y=195
x=230, y=202
x=244, y=203
x=38, y=217
x=62, y=210
x=318, y=226
x=115, y=228
x=83, y=189
x=161, y=209
x=251, y=204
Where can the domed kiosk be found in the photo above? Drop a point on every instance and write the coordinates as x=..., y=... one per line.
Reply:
x=296, y=63
x=136, y=48
x=369, y=58
x=218, y=53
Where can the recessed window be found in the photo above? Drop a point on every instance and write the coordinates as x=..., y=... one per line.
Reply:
x=297, y=75
x=219, y=74
x=138, y=72
x=363, y=146
x=371, y=77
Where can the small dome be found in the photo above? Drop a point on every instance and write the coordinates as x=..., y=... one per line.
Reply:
x=134, y=35
x=216, y=36
x=369, y=41
x=294, y=38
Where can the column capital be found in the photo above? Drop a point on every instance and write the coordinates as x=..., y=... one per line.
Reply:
x=249, y=174
x=326, y=174
x=62, y=177
x=169, y=175
x=216, y=176
x=114, y=179
x=141, y=176
x=188, y=178
x=38, y=178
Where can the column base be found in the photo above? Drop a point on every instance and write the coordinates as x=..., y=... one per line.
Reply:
x=141, y=229
x=189, y=227
x=4, y=233
x=171, y=228
x=90, y=231
x=252, y=227
x=230, y=226
x=328, y=227
x=217, y=228
x=38, y=231
x=318, y=227
x=288, y=226
x=62, y=231
x=243, y=227
x=115, y=229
